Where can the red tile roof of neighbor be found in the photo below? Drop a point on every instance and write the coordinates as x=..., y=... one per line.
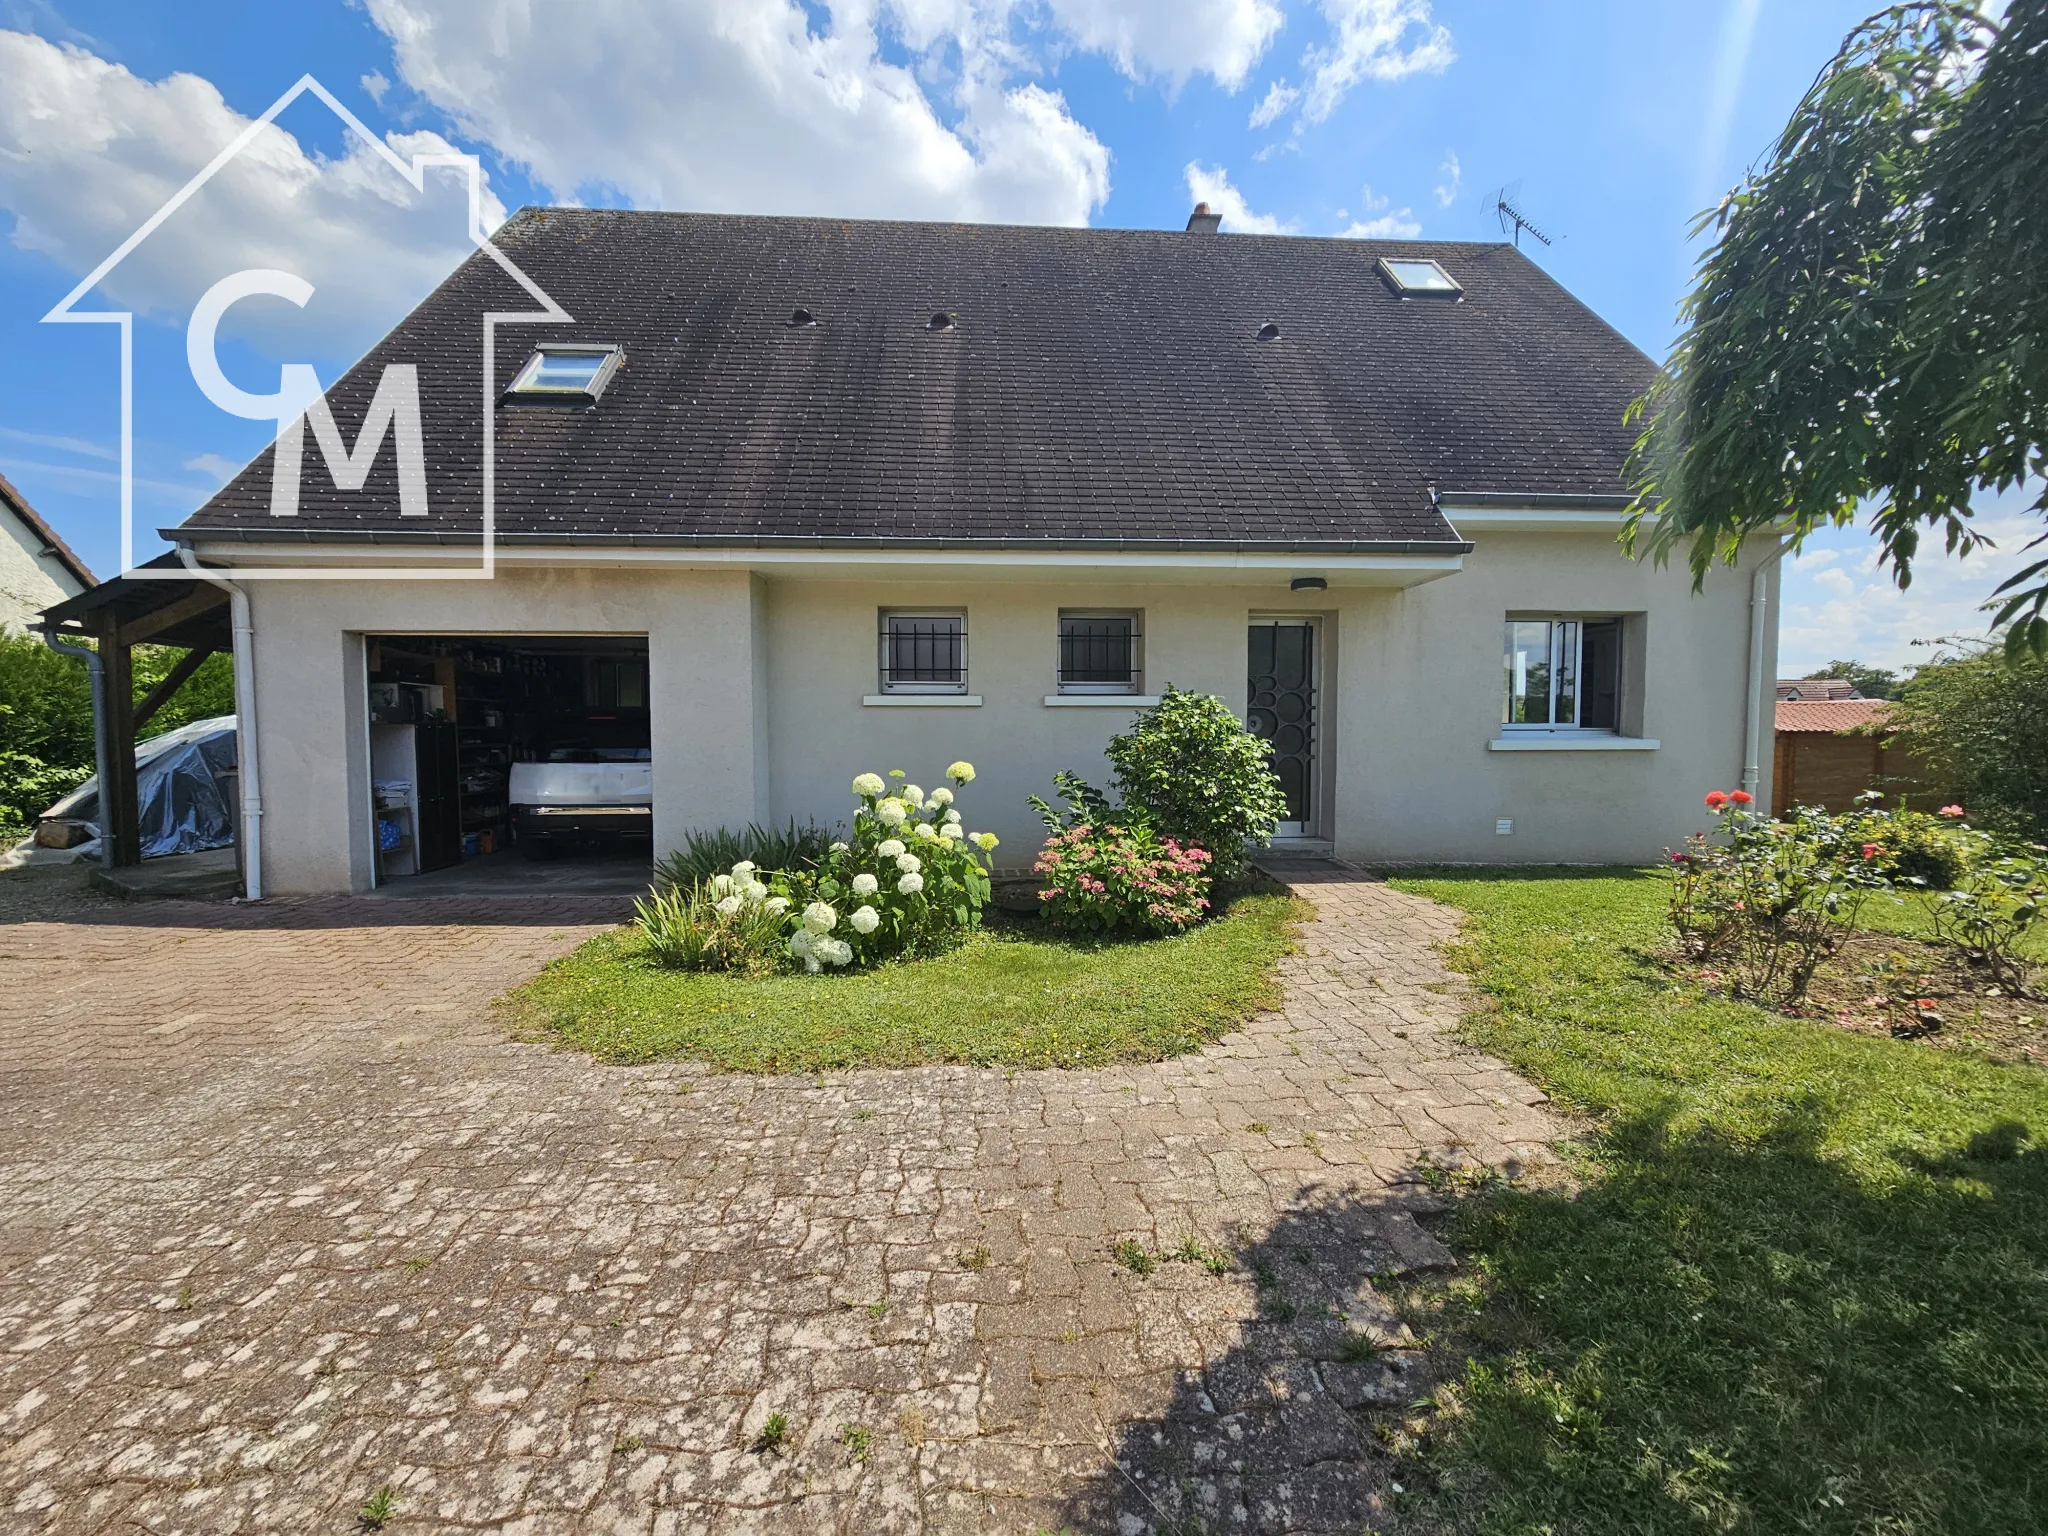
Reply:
x=1829, y=714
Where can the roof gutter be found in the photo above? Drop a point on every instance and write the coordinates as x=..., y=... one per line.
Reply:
x=358, y=536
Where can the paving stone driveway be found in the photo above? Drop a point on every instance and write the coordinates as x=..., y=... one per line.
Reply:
x=284, y=1219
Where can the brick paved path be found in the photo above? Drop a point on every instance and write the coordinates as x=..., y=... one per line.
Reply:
x=283, y=1219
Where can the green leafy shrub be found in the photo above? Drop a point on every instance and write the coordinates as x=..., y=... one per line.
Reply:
x=1188, y=770
x=729, y=922
x=1200, y=777
x=30, y=786
x=1917, y=849
x=706, y=853
x=1110, y=880
x=1773, y=899
x=1982, y=723
x=909, y=880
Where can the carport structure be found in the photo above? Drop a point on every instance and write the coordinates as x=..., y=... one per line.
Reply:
x=117, y=616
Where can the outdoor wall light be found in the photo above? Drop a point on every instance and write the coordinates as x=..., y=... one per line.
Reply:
x=1307, y=584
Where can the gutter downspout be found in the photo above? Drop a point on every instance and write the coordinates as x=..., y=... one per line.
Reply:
x=245, y=722
x=96, y=670
x=1753, y=725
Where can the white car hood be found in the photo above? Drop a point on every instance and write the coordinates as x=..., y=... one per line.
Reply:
x=582, y=784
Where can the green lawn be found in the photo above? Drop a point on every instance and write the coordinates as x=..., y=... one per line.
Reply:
x=1804, y=1285
x=1016, y=995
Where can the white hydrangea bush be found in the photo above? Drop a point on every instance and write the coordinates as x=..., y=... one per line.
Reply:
x=873, y=898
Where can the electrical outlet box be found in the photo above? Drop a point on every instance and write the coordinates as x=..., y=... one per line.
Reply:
x=1505, y=827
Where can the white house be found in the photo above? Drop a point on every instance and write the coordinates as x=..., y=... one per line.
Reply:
x=37, y=568
x=793, y=498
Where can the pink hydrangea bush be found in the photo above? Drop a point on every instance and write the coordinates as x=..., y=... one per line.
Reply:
x=1122, y=880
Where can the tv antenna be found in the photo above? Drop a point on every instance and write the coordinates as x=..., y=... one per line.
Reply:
x=1512, y=217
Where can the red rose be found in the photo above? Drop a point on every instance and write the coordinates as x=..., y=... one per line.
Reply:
x=1715, y=799
x=1741, y=797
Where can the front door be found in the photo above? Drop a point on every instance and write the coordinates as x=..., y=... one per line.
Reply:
x=1283, y=683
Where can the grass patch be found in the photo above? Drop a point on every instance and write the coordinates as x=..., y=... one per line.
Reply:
x=1803, y=1286
x=1016, y=995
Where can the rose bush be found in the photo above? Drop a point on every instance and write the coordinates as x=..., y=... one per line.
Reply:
x=1767, y=900
x=1108, y=880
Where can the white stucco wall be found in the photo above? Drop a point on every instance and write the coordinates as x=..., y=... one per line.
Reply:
x=30, y=581
x=757, y=683
x=702, y=639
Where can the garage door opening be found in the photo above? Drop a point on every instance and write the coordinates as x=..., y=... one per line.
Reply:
x=506, y=762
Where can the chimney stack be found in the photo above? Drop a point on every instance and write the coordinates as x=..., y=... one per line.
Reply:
x=1203, y=222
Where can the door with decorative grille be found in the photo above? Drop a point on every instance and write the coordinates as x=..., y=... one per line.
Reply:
x=1283, y=710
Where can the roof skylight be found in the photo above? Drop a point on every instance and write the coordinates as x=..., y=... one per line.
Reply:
x=573, y=374
x=1412, y=275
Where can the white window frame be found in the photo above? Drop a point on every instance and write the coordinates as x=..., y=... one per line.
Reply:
x=523, y=388
x=888, y=685
x=1450, y=288
x=1136, y=682
x=1579, y=621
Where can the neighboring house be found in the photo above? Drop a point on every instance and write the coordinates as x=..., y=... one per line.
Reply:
x=1831, y=750
x=36, y=567
x=834, y=496
x=1816, y=690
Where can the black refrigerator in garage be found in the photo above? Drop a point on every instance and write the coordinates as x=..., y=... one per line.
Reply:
x=437, y=762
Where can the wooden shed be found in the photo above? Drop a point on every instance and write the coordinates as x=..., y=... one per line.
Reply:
x=1829, y=751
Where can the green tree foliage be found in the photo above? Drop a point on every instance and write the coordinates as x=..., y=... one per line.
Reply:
x=1871, y=682
x=1983, y=724
x=1868, y=323
x=1199, y=776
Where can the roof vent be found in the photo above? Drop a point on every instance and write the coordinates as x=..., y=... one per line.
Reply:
x=802, y=317
x=1203, y=222
x=1270, y=331
x=939, y=322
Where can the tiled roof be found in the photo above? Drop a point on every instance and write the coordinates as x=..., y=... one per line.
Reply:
x=16, y=503
x=1829, y=714
x=1099, y=385
x=1812, y=688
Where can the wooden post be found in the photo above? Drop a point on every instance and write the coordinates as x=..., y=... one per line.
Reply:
x=175, y=679
x=120, y=809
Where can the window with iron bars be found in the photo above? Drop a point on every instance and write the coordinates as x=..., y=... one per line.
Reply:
x=924, y=652
x=1101, y=652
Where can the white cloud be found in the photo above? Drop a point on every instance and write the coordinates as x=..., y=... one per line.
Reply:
x=1211, y=185
x=88, y=151
x=1173, y=38
x=1382, y=40
x=376, y=85
x=1839, y=603
x=221, y=469
x=1278, y=98
x=1372, y=40
x=718, y=105
x=78, y=445
x=1453, y=176
x=1382, y=222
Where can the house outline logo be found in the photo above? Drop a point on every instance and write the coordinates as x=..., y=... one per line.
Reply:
x=394, y=411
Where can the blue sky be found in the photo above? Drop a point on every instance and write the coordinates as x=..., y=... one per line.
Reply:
x=1619, y=120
